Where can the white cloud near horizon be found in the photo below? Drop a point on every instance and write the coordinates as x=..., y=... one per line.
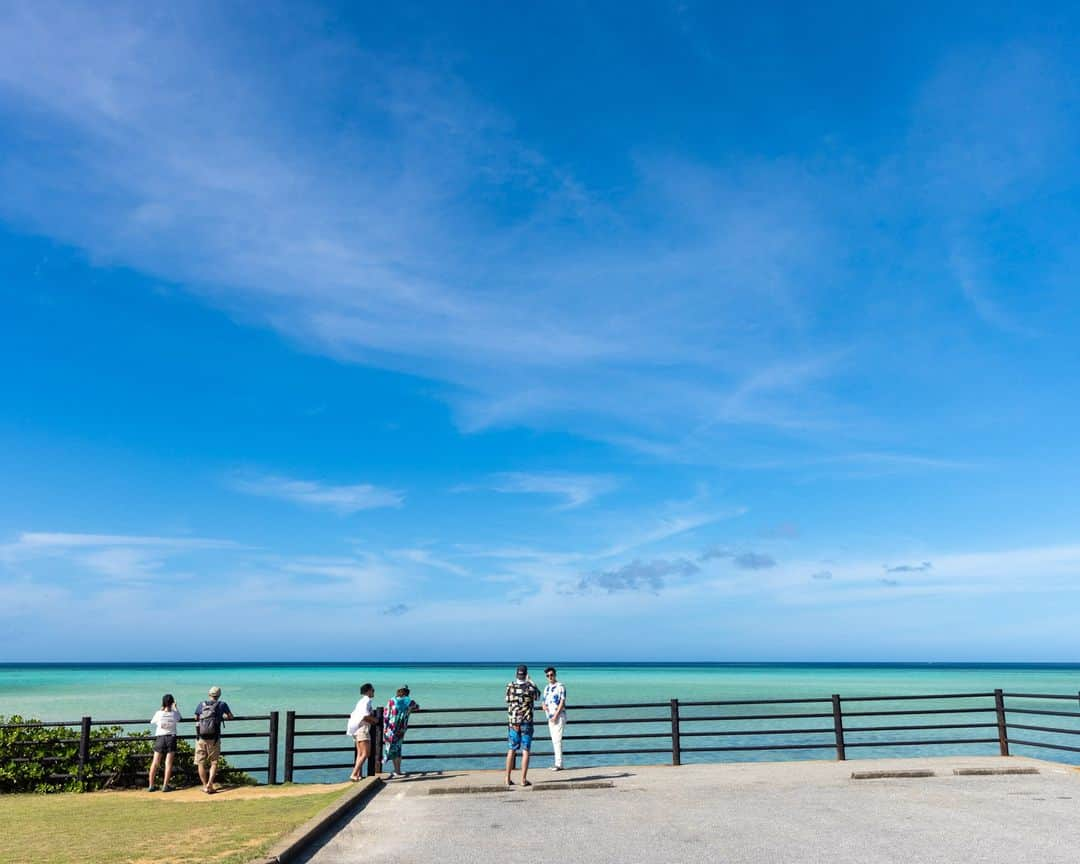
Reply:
x=343, y=499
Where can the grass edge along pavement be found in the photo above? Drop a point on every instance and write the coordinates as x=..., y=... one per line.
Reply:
x=296, y=842
x=267, y=824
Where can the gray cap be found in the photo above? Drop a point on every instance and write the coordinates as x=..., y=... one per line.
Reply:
x=215, y=691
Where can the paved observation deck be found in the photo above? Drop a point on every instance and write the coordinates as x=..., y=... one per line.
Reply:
x=733, y=813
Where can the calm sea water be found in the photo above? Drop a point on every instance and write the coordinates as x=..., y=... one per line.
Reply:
x=114, y=692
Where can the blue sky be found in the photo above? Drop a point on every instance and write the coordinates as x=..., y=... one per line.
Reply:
x=680, y=331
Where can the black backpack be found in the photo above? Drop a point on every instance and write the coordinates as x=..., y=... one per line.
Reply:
x=209, y=721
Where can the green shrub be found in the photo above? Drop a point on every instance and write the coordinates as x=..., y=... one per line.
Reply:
x=31, y=754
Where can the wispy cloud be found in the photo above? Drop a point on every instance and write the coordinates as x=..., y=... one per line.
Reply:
x=362, y=255
x=345, y=499
x=910, y=568
x=46, y=540
x=114, y=557
x=753, y=561
x=742, y=560
x=637, y=576
x=575, y=490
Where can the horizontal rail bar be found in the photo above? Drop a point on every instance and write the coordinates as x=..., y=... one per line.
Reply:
x=56, y=724
x=1072, y=696
x=830, y=746
x=922, y=743
x=989, y=695
x=986, y=710
x=755, y=701
x=1044, y=729
x=237, y=718
x=831, y=730
x=702, y=719
x=1044, y=744
x=920, y=727
x=1042, y=712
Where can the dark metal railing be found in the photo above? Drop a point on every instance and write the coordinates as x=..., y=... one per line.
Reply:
x=655, y=731
x=81, y=738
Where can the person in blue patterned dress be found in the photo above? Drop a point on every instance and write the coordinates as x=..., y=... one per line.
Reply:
x=395, y=722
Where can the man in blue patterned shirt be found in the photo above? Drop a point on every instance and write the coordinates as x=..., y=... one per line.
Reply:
x=521, y=695
x=555, y=708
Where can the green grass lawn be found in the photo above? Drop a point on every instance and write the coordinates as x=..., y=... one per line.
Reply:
x=138, y=828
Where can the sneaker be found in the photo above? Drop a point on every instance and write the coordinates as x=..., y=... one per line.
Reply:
x=392, y=776
x=166, y=788
x=556, y=767
x=151, y=789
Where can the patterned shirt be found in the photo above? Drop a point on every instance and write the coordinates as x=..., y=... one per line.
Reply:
x=554, y=696
x=520, y=696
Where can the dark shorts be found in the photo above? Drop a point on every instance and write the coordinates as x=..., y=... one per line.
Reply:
x=165, y=744
x=520, y=740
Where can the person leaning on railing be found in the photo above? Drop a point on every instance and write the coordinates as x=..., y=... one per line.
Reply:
x=164, y=721
x=395, y=723
x=209, y=715
x=361, y=722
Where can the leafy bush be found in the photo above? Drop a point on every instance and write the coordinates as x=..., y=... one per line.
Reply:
x=32, y=754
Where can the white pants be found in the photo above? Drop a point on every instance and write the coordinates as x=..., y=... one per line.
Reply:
x=555, y=729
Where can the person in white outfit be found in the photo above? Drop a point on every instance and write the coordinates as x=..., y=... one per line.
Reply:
x=165, y=730
x=361, y=722
x=555, y=708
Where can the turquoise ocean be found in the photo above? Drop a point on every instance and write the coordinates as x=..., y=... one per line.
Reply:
x=132, y=691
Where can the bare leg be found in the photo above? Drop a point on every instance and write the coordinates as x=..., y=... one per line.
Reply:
x=362, y=748
x=397, y=765
x=168, y=769
x=524, y=767
x=213, y=771
x=511, y=758
x=202, y=775
x=153, y=769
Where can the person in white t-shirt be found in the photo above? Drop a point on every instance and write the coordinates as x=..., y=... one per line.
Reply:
x=361, y=722
x=554, y=699
x=165, y=722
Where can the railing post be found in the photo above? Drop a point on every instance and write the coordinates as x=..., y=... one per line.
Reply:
x=1003, y=729
x=838, y=727
x=84, y=752
x=271, y=761
x=375, y=765
x=676, y=743
x=290, y=740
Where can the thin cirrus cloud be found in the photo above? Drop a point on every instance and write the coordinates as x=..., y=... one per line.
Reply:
x=123, y=558
x=574, y=490
x=302, y=238
x=344, y=499
x=351, y=235
x=924, y=567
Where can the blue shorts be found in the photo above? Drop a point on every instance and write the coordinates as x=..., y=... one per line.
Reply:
x=520, y=740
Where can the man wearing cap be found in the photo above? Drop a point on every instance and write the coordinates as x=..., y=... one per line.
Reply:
x=209, y=715
x=521, y=695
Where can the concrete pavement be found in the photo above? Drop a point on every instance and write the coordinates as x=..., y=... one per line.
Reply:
x=732, y=813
